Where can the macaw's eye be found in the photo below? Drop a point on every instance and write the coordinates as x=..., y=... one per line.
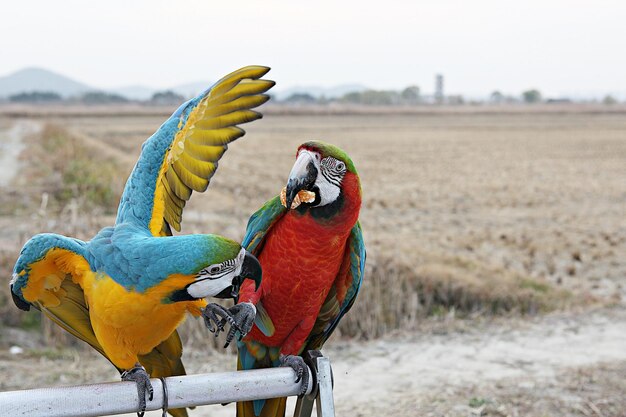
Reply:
x=214, y=269
x=341, y=166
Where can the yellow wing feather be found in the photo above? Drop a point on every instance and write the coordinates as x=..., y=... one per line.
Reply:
x=193, y=156
x=219, y=136
x=196, y=167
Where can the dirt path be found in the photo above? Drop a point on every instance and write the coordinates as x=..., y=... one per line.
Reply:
x=106, y=149
x=519, y=367
x=386, y=373
x=11, y=146
x=564, y=364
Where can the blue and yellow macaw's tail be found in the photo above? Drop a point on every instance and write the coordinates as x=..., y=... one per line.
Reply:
x=182, y=156
x=254, y=355
x=48, y=276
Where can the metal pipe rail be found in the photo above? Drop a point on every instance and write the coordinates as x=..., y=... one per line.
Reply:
x=183, y=391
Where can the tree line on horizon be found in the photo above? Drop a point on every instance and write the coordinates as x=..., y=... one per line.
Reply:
x=409, y=96
x=94, y=97
x=412, y=96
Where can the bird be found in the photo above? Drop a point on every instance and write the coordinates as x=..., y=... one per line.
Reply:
x=310, y=245
x=126, y=290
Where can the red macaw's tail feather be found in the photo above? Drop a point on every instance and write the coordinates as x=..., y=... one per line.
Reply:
x=274, y=407
x=254, y=355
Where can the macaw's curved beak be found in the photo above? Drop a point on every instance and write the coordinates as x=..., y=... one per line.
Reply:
x=251, y=269
x=302, y=177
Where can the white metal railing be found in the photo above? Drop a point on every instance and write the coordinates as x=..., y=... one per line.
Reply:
x=182, y=391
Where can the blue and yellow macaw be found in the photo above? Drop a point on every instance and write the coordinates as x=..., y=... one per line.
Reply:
x=126, y=291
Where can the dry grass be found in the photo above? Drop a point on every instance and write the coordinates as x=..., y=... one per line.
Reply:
x=65, y=187
x=66, y=168
x=401, y=292
x=463, y=213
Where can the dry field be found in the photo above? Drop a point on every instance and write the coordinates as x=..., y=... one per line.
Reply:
x=536, y=195
x=469, y=215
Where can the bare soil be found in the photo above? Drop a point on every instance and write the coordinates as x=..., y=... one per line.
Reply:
x=562, y=364
x=11, y=146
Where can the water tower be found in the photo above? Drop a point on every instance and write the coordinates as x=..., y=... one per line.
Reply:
x=439, y=88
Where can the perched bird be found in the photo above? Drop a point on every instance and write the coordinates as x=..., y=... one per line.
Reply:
x=126, y=291
x=311, y=249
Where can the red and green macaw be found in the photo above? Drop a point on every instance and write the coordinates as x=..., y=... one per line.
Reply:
x=126, y=291
x=311, y=249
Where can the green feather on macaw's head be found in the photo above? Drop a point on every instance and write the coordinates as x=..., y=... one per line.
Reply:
x=323, y=176
x=326, y=149
x=221, y=266
x=218, y=248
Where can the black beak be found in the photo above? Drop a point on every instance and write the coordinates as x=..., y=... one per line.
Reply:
x=302, y=177
x=251, y=269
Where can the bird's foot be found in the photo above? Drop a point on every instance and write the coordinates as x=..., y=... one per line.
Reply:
x=215, y=318
x=302, y=370
x=240, y=317
x=243, y=315
x=139, y=375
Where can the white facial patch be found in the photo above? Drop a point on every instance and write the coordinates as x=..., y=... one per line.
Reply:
x=239, y=261
x=331, y=173
x=328, y=191
x=209, y=284
x=210, y=287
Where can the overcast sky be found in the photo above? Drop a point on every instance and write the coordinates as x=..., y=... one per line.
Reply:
x=558, y=46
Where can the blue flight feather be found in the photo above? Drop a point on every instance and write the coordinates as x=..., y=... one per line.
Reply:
x=35, y=249
x=137, y=200
x=260, y=223
x=356, y=246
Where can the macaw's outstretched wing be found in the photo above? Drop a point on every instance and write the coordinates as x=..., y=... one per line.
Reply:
x=343, y=292
x=183, y=154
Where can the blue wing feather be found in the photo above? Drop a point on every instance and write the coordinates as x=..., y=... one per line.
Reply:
x=138, y=197
x=260, y=224
x=36, y=249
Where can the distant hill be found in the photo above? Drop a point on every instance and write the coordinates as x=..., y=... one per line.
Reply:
x=317, y=92
x=39, y=79
x=43, y=80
